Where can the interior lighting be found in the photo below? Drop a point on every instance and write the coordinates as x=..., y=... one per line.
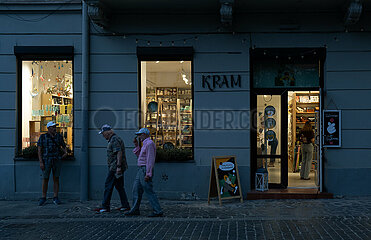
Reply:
x=184, y=77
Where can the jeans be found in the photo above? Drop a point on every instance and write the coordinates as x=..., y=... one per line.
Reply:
x=307, y=156
x=118, y=183
x=141, y=186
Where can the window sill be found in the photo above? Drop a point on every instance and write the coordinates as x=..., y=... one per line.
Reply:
x=24, y=159
x=175, y=161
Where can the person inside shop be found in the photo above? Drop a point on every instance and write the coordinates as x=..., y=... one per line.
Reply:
x=51, y=150
x=307, y=141
x=143, y=181
x=117, y=164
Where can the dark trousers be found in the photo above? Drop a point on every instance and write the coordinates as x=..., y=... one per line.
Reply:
x=273, y=145
x=118, y=183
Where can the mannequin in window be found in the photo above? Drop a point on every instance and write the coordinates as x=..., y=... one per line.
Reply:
x=273, y=144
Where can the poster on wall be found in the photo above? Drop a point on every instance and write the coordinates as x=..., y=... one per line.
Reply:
x=224, y=179
x=331, y=128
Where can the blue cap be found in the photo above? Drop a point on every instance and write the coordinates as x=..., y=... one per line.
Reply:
x=143, y=130
x=51, y=124
x=105, y=127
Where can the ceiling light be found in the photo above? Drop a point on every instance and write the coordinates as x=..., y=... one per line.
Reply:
x=157, y=61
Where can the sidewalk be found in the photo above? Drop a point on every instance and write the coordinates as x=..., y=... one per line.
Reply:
x=347, y=218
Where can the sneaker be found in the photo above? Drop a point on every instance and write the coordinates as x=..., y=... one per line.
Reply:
x=42, y=201
x=56, y=201
x=123, y=209
x=102, y=210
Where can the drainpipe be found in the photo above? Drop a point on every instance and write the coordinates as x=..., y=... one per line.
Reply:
x=84, y=161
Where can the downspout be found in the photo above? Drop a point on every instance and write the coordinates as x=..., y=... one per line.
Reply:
x=84, y=161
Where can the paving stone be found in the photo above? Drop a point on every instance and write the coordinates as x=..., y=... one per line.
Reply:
x=347, y=218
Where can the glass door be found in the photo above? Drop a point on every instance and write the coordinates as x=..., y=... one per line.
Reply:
x=271, y=138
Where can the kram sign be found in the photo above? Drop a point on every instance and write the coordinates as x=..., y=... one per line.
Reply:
x=331, y=128
x=212, y=82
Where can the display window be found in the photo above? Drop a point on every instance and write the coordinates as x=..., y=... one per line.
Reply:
x=166, y=107
x=46, y=95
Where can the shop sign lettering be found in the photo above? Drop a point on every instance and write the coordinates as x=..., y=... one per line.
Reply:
x=221, y=81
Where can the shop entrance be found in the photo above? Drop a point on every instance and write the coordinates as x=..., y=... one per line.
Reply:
x=278, y=146
x=285, y=93
x=303, y=108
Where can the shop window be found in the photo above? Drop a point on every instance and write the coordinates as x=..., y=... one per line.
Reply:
x=166, y=107
x=46, y=95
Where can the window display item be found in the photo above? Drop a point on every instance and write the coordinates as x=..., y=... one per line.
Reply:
x=270, y=123
x=270, y=135
x=168, y=145
x=153, y=107
x=270, y=111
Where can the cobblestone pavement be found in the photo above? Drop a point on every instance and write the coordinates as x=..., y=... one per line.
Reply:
x=347, y=218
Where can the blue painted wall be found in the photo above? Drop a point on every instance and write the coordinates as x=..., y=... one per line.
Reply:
x=114, y=87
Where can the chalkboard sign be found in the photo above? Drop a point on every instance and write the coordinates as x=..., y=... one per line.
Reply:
x=331, y=128
x=224, y=179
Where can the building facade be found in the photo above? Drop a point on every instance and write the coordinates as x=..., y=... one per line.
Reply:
x=216, y=78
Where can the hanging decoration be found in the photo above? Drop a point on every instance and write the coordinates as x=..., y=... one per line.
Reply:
x=34, y=93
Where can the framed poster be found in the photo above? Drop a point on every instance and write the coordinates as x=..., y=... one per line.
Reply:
x=331, y=128
x=224, y=179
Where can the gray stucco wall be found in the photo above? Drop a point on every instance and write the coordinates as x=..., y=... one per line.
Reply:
x=114, y=87
x=21, y=179
x=114, y=62
x=347, y=88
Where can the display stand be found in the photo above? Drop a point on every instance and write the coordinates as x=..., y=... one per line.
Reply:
x=172, y=123
x=224, y=179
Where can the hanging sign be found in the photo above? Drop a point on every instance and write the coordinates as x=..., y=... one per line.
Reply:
x=331, y=128
x=224, y=179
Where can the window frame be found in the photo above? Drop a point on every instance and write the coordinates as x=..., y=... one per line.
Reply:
x=166, y=54
x=32, y=53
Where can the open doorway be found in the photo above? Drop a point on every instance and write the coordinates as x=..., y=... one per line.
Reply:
x=303, y=106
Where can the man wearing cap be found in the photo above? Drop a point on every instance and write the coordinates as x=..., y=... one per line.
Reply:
x=51, y=150
x=116, y=160
x=143, y=181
